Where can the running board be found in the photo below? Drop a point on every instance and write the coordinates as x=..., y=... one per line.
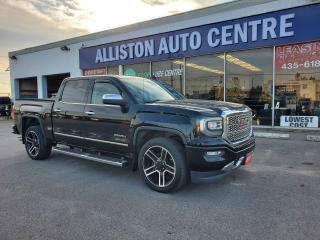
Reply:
x=92, y=157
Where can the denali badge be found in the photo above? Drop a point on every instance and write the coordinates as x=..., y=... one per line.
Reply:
x=119, y=135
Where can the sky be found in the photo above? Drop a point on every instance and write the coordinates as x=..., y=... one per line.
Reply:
x=27, y=23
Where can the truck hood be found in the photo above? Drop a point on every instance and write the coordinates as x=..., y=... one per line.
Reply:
x=201, y=106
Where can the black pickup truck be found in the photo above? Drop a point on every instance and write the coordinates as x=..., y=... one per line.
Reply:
x=139, y=123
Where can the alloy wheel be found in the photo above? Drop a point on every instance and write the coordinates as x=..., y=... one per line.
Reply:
x=32, y=143
x=159, y=166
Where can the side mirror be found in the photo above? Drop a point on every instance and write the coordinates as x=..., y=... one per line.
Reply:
x=254, y=114
x=113, y=99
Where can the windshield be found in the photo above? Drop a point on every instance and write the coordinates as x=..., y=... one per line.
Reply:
x=172, y=90
x=148, y=91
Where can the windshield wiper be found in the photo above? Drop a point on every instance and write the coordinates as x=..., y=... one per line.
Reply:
x=152, y=101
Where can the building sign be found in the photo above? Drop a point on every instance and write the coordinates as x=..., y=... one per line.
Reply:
x=301, y=56
x=299, y=121
x=157, y=74
x=275, y=28
x=168, y=73
x=98, y=71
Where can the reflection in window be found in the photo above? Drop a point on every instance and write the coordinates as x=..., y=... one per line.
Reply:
x=155, y=92
x=75, y=91
x=204, y=77
x=100, y=89
x=249, y=81
x=170, y=72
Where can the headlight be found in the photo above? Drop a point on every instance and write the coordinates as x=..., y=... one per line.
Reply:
x=211, y=126
x=214, y=124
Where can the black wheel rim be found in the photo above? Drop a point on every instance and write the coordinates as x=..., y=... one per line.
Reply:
x=159, y=166
x=32, y=143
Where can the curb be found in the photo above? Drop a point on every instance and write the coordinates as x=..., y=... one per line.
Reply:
x=272, y=135
x=313, y=138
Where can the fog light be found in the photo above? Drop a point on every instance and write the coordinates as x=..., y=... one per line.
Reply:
x=214, y=153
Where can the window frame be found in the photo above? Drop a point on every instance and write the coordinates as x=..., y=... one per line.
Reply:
x=85, y=98
x=102, y=81
x=106, y=80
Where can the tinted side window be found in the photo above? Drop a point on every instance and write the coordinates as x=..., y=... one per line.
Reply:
x=75, y=91
x=102, y=88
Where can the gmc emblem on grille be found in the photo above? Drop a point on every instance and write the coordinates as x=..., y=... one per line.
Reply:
x=242, y=122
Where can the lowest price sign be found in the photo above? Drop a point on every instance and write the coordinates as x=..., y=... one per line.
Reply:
x=299, y=121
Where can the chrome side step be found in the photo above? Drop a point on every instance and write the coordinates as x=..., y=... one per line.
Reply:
x=92, y=157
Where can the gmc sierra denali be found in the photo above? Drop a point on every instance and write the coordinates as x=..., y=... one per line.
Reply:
x=140, y=123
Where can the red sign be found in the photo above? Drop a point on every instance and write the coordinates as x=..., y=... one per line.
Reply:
x=298, y=56
x=97, y=71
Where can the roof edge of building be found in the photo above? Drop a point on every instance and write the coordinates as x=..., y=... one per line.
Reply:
x=149, y=23
x=131, y=27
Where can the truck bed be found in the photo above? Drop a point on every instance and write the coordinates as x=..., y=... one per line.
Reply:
x=37, y=106
x=40, y=108
x=36, y=103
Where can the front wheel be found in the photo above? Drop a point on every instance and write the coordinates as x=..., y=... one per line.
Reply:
x=37, y=147
x=162, y=165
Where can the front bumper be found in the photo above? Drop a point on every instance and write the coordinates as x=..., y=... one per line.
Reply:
x=206, y=168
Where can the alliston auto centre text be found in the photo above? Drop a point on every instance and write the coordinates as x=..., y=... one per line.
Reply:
x=265, y=28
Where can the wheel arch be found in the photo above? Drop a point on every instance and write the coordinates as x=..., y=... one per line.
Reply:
x=145, y=133
x=28, y=121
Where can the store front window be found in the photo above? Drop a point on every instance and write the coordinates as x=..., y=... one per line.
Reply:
x=94, y=71
x=249, y=81
x=170, y=72
x=204, y=77
x=113, y=70
x=297, y=85
x=137, y=70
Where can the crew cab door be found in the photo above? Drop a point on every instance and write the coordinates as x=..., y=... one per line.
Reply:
x=67, y=113
x=106, y=127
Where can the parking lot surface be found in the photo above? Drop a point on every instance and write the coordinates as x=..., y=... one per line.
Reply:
x=277, y=197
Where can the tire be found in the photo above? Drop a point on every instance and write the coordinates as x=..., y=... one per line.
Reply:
x=37, y=146
x=162, y=165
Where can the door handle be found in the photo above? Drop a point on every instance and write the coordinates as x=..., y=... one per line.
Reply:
x=57, y=110
x=90, y=113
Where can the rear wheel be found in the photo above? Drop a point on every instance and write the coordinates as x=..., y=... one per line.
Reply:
x=37, y=147
x=162, y=165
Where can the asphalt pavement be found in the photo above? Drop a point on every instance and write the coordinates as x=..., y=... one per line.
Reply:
x=277, y=197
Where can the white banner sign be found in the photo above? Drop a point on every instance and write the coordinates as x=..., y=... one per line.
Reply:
x=168, y=73
x=299, y=121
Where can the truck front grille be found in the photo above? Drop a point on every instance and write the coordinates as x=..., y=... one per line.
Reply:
x=238, y=126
